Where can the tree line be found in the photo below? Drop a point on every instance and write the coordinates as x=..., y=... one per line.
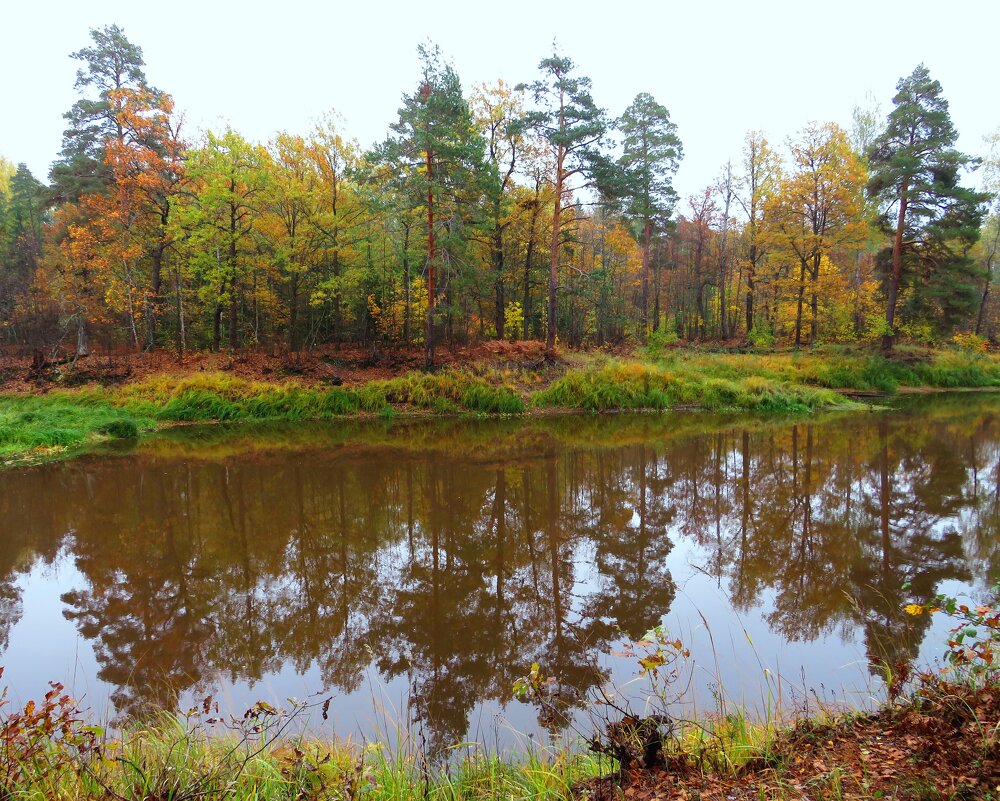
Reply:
x=511, y=212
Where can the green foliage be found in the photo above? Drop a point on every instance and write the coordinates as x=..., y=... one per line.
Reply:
x=513, y=319
x=761, y=336
x=124, y=428
x=110, y=64
x=973, y=644
x=660, y=340
x=567, y=116
x=877, y=327
x=915, y=166
x=651, y=155
x=340, y=402
x=442, y=392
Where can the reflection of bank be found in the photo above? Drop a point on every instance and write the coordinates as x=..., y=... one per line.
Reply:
x=456, y=568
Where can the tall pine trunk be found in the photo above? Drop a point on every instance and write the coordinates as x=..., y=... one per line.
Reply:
x=647, y=234
x=897, y=270
x=429, y=332
x=550, y=336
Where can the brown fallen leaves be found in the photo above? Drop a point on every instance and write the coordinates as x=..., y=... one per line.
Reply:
x=942, y=744
x=326, y=364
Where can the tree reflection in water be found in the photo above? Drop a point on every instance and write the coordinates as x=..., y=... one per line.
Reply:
x=460, y=557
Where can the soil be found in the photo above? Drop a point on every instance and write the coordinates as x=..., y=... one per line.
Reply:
x=944, y=744
x=330, y=365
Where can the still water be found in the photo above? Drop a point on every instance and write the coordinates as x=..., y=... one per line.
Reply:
x=415, y=570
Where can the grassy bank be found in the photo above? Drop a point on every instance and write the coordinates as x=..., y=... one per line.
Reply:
x=61, y=421
x=943, y=742
x=173, y=761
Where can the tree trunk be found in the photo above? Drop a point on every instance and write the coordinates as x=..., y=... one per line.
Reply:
x=501, y=300
x=82, y=338
x=429, y=333
x=647, y=233
x=723, y=257
x=986, y=285
x=814, y=322
x=550, y=336
x=406, y=284
x=982, y=304
x=233, y=311
x=293, y=313
x=233, y=319
x=799, y=303
x=181, y=338
x=529, y=252
x=217, y=327
x=155, y=295
x=897, y=270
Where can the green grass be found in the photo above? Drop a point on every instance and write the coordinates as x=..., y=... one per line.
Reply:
x=64, y=420
x=171, y=759
x=216, y=396
x=61, y=422
x=640, y=385
x=844, y=369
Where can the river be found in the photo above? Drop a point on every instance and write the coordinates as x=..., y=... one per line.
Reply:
x=414, y=570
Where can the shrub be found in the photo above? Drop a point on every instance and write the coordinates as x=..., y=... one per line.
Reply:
x=971, y=342
x=661, y=339
x=761, y=336
x=974, y=643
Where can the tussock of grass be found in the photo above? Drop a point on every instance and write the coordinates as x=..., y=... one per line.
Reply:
x=445, y=391
x=837, y=369
x=639, y=385
x=217, y=396
x=63, y=420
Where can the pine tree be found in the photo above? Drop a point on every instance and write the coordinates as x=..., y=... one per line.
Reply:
x=651, y=154
x=112, y=65
x=435, y=147
x=915, y=173
x=574, y=126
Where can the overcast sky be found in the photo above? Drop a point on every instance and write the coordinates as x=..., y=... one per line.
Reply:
x=721, y=68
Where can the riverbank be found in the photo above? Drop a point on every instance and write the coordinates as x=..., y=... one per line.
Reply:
x=75, y=406
x=943, y=742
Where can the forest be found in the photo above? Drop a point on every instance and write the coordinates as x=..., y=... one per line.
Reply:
x=509, y=211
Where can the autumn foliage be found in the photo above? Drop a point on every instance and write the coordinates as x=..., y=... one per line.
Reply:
x=513, y=212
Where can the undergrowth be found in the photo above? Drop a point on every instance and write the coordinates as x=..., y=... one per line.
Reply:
x=47, y=752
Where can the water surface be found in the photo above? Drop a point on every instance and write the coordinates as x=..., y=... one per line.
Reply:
x=417, y=569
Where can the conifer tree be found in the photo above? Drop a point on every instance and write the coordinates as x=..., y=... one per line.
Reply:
x=651, y=154
x=111, y=65
x=932, y=218
x=574, y=126
x=435, y=146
